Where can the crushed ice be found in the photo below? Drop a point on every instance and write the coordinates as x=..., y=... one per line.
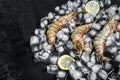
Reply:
x=86, y=67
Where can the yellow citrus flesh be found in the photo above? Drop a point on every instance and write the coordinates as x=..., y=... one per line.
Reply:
x=92, y=7
x=65, y=61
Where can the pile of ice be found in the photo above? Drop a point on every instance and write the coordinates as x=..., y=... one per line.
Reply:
x=87, y=67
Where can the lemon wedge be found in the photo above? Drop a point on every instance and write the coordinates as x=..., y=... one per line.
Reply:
x=92, y=7
x=65, y=61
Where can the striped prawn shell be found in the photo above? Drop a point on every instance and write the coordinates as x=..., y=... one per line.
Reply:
x=77, y=36
x=58, y=25
x=101, y=37
x=80, y=31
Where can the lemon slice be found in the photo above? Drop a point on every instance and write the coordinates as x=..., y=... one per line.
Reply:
x=65, y=61
x=92, y=7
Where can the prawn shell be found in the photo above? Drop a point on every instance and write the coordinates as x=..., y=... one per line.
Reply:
x=101, y=37
x=77, y=38
x=58, y=25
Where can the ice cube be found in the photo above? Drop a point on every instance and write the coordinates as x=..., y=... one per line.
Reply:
x=88, y=20
x=53, y=69
x=45, y=56
x=105, y=17
x=67, y=11
x=78, y=1
x=60, y=43
x=87, y=39
x=57, y=8
x=117, y=17
x=117, y=35
x=93, y=57
x=113, y=50
x=108, y=2
x=39, y=56
x=114, y=7
x=72, y=54
x=109, y=42
x=61, y=74
x=34, y=40
x=103, y=74
x=82, y=78
x=75, y=4
x=36, y=31
x=96, y=26
x=98, y=16
x=87, y=15
x=65, y=37
x=42, y=25
x=69, y=45
x=60, y=34
x=40, y=46
x=101, y=4
x=48, y=47
x=111, y=79
x=92, y=76
x=71, y=28
x=44, y=44
x=42, y=37
x=70, y=4
x=118, y=26
x=60, y=49
x=84, y=1
x=80, y=10
x=85, y=70
x=45, y=22
x=96, y=68
x=42, y=32
x=93, y=32
x=75, y=74
x=56, y=17
x=112, y=10
x=117, y=58
x=73, y=66
x=79, y=64
x=50, y=15
x=61, y=11
x=35, y=48
x=103, y=22
x=90, y=64
x=107, y=66
x=118, y=44
x=83, y=6
x=64, y=7
x=85, y=57
x=53, y=59
x=65, y=30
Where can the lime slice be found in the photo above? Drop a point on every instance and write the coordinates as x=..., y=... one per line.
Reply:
x=92, y=7
x=65, y=61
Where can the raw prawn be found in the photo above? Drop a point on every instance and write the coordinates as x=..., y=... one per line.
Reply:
x=77, y=38
x=58, y=25
x=101, y=37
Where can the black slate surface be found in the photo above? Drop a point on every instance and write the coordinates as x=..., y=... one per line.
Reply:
x=18, y=20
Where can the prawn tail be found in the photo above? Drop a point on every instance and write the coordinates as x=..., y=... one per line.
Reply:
x=102, y=58
x=54, y=45
x=79, y=53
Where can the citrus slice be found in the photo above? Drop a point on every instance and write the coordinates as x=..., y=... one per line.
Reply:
x=65, y=61
x=92, y=7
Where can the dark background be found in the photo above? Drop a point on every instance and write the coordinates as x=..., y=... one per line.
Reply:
x=18, y=20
